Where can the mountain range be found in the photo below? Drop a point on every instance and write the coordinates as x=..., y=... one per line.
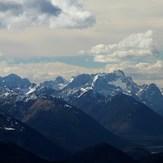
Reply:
x=71, y=116
x=62, y=123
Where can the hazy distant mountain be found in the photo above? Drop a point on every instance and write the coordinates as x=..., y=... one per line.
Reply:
x=14, y=82
x=101, y=153
x=14, y=131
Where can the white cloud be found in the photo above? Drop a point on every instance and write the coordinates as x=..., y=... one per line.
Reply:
x=17, y=14
x=142, y=67
x=136, y=55
x=132, y=47
x=39, y=72
x=143, y=72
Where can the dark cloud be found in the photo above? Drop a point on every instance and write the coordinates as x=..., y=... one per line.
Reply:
x=10, y=7
x=48, y=8
x=43, y=6
x=17, y=14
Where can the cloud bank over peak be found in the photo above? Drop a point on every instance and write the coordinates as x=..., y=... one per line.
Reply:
x=18, y=14
x=39, y=72
x=133, y=47
x=136, y=55
x=143, y=72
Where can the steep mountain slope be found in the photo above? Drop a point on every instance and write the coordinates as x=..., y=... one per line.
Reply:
x=152, y=96
x=11, y=130
x=111, y=84
x=126, y=117
x=132, y=117
x=122, y=114
x=101, y=153
x=67, y=125
x=16, y=105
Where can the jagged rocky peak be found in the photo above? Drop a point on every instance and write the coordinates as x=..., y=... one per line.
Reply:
x=86, y=79
x=60, y=79
x=80, y=80
x=13, y=77
x=151, y=89
x=14, y=80
x=56, y=84
x=119, y=73
x=104, y=83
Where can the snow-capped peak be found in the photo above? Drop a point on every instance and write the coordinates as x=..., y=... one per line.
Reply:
x=119, y=73
x=118, y=83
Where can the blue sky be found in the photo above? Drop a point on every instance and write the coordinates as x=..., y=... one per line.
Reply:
x=67, y=37
x=79, y=60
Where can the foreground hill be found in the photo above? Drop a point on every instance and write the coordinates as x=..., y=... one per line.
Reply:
x=101, y=153
x=154, y=158
x=12, y=130
x=10, y=153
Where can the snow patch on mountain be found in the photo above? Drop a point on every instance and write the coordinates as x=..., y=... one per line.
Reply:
x=118, y=83
x=95, y=79
x=67, y=106
x=31, y=90
x=161, y=90
x=20, y=97
x=31, y=97
x=71, y=80
x=6, y=94
x=119, y=73
x=84, y=90
x=9, y=128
